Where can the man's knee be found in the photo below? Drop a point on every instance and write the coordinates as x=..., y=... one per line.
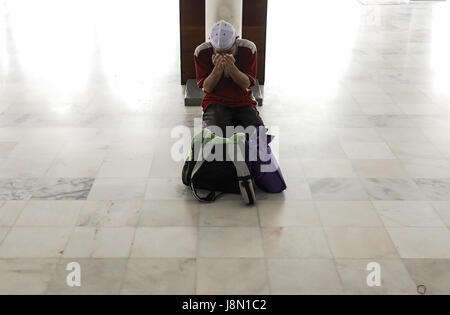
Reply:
x=248, y=116
x=217, y=116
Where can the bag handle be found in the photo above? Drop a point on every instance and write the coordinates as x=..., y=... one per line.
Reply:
x=244, y=178
x=212, y=196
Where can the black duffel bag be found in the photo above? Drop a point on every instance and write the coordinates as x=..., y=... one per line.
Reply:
x=227, y=174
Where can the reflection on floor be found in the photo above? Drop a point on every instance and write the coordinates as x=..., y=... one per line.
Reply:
x=359, y=95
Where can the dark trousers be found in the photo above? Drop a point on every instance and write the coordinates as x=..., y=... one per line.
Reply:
x=222, y=116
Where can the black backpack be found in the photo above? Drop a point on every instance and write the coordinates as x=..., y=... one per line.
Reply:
x=227, y=174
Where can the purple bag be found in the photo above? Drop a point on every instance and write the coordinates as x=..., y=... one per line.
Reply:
x=262, y=163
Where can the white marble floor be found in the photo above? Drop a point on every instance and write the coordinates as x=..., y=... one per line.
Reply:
x=90, y=94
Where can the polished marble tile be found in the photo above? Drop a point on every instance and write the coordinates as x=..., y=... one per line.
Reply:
x=167, y=189
x=358, y=135
x=129, y=149
x=394, y=277
x=11, y=134
x=24, y=167
x=15, y=189
x=313, y=150
x=299, y=190
x=373, y=98
x=10, y=211
x=292, y=168
x=432, y=126
x=308, y=133
x=86, y=242
x=390, y=121
x=170, y=213
x=367, y=150
x=327, y=168
x=350, y=121
x=427, y=168
x=163, y=166
x=443, y=210
x=392, y=189
x=63, y=213
x=342, y=109
x=26, y=275
x=132, y=130
x=35, y=242
x=413, y=242
x=70, y=167
x=436, y=133
x=410, y=98
x=228, y=213
x=364, y=87
x=37, y=148
x=420, y=109
x=84, y=149
x=381, y=109
x=379, y=169
x=294, y=275
x=356, y=242
x=230, y=242
x=60, y=188
x=415, y=150
x=173, y=242
x=337, y=189
x=295, y=242
x=6, y=148
x=119, y=213
x=117, y=189
x=125, y=168
x=287, y=213
x=3, y=232
x=390, y=134
x=98, y=276
x=435, y=188
x=232, y=276
x=159, y=276
x=348, y=213
x=434, y=274
x=443, y=148
x=407, y=214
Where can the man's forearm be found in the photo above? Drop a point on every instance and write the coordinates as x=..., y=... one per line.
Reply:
x=211, y=81
x=240, y=78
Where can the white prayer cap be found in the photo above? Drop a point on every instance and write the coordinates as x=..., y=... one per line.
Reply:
x=222, y=35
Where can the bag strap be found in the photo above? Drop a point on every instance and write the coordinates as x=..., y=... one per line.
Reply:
x=198, y=164
x=243, y=175
x=212, y=195
x=244, y=178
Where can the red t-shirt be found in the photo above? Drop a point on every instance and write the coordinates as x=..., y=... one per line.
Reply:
x=227, y=92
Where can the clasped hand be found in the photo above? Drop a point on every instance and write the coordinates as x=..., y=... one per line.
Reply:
x=223, y=62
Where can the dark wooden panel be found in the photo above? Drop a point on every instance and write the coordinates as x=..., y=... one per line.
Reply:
x=254, y=26
x=192, y=33
x=188, y=69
